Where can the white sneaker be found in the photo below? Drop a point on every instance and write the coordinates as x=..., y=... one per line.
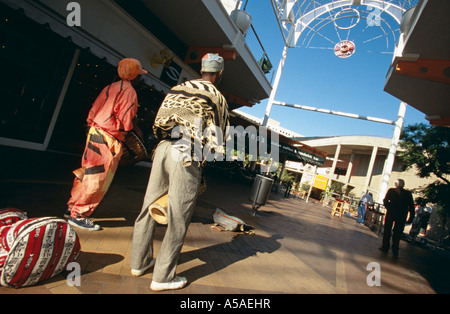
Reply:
x=177, y=283
x=140, y=272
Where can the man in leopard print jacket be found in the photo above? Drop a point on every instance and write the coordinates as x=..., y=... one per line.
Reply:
x=190, y=124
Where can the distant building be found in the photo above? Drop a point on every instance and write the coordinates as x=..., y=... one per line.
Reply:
x=358, y=162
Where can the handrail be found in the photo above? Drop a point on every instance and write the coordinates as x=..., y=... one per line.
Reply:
x=258, y=51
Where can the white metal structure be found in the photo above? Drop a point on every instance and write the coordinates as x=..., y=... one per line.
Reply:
x=305, y=19
x=297, y=16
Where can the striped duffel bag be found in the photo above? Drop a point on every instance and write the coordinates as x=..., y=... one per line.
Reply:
x=9, y=216
x=37, y=249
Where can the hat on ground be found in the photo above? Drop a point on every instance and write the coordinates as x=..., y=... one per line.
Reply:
x=129, y=69
x=212, y=63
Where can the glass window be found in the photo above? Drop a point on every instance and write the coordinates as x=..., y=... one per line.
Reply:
x=90, y=76
x=34, y=62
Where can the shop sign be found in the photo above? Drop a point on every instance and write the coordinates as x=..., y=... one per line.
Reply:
x=344, y=49
x=321, y=182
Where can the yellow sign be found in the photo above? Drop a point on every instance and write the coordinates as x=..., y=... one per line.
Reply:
x=320, y=182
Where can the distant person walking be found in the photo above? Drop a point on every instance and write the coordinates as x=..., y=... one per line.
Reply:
x=398, y=203
x=366, y=199
x=288, y=189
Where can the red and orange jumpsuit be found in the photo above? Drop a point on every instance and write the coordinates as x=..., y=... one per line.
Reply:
x=110, y=118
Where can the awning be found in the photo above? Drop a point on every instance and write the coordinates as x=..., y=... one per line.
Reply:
x=297, y=151
x=112, y=30
x=78, y=36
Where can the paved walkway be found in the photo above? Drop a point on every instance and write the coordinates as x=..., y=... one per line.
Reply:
x=297, y=247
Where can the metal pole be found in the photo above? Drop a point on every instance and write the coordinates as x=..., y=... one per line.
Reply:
x=392, y=150
x=275, y=85
x=254, y=207
x=61, y=98
x=334, y=112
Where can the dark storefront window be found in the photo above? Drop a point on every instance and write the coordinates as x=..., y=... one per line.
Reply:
x=90, y=76
x=34, y=62
x=150, y=100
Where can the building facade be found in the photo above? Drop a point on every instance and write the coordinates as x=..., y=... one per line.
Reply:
x=359, y=162
x=56, y=56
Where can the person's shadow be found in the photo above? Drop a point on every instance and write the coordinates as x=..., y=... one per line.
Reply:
x=219, y=256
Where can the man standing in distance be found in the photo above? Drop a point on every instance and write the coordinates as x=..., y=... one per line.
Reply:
x=398, y=203
x=176, y=170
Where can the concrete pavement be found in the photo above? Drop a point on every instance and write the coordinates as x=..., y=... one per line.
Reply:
x=297, y=247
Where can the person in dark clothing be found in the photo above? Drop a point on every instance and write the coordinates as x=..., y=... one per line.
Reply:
x=398, y=203
x=288, y=189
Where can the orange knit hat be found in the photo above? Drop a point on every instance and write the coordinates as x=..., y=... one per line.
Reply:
x=129, y=69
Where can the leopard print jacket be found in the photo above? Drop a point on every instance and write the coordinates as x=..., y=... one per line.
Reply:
x=194, y=114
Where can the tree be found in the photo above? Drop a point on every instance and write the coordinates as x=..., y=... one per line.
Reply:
x=427, y=148
x=286, y=176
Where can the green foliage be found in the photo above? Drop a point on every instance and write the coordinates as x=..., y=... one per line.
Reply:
x=286, y=177
x=337, y=187
x=427, y=148
x=305, y=187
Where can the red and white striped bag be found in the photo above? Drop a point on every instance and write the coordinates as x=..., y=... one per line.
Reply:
x=37, y=249
x=8, y=216
x=3, y=256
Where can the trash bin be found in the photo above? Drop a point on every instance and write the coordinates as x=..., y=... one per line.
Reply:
x=260, y=191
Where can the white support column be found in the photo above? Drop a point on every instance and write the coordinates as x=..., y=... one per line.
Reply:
x=275, y=86
x=336, y=157
x=370, y=169
x=392, y=151
x=333, y=167
x=349, y=169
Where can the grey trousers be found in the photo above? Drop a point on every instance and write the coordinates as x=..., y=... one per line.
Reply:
x=168, y=175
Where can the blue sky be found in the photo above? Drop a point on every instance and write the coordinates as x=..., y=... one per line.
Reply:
x=317, y=78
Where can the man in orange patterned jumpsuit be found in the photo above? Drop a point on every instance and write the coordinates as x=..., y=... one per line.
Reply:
x=110, y=118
